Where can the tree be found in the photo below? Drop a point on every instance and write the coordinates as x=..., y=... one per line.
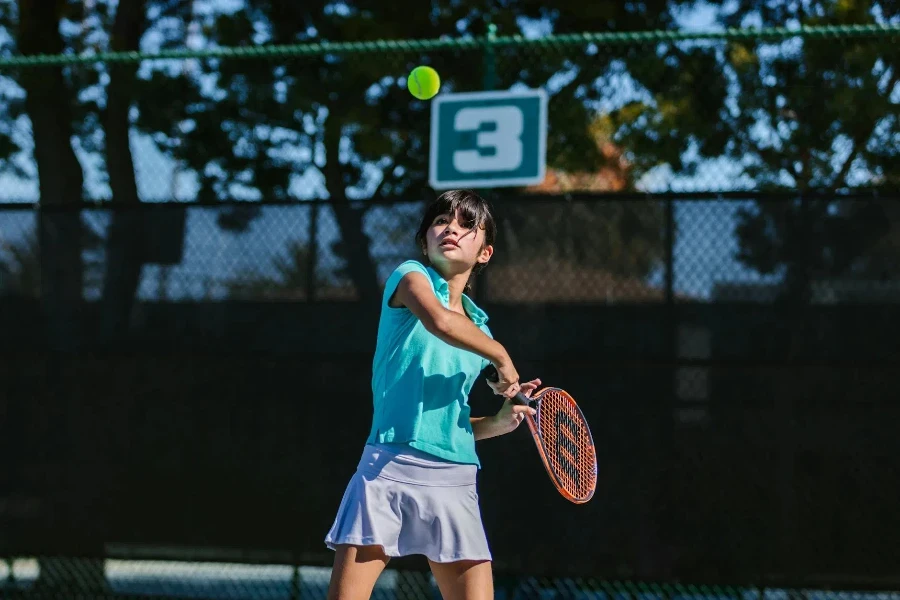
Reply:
x=252, y=128
x=788, y=115
x=832, y=125
x=622, y=238
x=48, y=103
x=101, y=119
x=124, y=250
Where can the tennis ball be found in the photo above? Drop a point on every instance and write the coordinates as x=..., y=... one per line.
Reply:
x=423, y=83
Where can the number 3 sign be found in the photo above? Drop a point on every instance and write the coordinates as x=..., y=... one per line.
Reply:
x=488, y=139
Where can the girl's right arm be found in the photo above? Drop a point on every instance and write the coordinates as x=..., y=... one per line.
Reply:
x=415, y=292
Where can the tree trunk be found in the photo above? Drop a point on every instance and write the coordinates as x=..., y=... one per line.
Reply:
x=361, y=267
x=125, y=241
x=48, y=103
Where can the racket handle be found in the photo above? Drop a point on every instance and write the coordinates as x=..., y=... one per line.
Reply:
x=493, y=376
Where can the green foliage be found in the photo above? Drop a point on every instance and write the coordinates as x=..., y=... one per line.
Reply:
x=777, y=115
x=347, y=122
x=12, y=105
x=817, y=115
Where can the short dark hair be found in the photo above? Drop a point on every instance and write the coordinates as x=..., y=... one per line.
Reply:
x=475, y=211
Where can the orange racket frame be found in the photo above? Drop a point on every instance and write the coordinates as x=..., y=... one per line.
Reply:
x=539, y=440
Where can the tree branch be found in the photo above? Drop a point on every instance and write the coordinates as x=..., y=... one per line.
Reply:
x=378, y=194
x=858, y=142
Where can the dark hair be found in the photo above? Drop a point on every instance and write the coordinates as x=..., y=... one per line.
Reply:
x=474, y=210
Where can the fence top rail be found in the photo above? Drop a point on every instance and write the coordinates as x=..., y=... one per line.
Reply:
x=873, y=30
x=785, y=195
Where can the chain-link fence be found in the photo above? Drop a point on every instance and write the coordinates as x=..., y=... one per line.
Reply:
x=125, y=579
x=797, y=120
x=579, y=249
x=723, y=179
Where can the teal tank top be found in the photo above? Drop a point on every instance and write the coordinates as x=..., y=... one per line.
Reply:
x=421, y=384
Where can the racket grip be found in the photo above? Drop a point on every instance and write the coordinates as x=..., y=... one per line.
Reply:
x=522, y=399
x=493, y=376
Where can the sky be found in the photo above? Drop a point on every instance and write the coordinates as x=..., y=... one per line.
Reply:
x=704, y=252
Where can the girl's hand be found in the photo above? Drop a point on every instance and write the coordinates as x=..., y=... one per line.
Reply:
x=507, y=383
x=511, y=415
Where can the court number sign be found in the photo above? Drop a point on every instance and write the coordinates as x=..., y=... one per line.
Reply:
x=488, y=139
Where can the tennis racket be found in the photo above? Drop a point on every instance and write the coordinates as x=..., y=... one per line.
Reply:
x=563, y=440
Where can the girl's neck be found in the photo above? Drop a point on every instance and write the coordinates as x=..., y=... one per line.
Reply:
x=456, y=284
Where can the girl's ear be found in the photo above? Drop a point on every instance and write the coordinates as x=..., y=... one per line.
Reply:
x=486, y=253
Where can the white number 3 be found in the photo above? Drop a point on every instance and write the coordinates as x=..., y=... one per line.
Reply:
x=505, y=139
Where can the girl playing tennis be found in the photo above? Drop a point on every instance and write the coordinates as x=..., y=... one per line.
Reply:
x=414, y=490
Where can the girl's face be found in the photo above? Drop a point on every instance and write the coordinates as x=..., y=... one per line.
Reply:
x=455, y=245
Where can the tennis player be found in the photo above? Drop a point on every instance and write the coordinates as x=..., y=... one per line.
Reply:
x=414, y=489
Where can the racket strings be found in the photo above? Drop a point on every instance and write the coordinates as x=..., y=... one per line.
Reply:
x=568, y=444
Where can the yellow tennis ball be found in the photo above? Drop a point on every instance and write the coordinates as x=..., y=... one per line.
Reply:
x=423, y=83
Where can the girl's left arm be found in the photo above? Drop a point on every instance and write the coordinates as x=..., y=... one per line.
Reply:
x=507, y=418
x=488, y=427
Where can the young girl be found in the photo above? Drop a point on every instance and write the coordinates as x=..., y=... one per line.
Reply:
x=414, y=489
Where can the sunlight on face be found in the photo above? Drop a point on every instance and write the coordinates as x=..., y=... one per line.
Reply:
x=455, y=244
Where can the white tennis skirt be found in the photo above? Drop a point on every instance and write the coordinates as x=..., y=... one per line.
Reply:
x=409, y=502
